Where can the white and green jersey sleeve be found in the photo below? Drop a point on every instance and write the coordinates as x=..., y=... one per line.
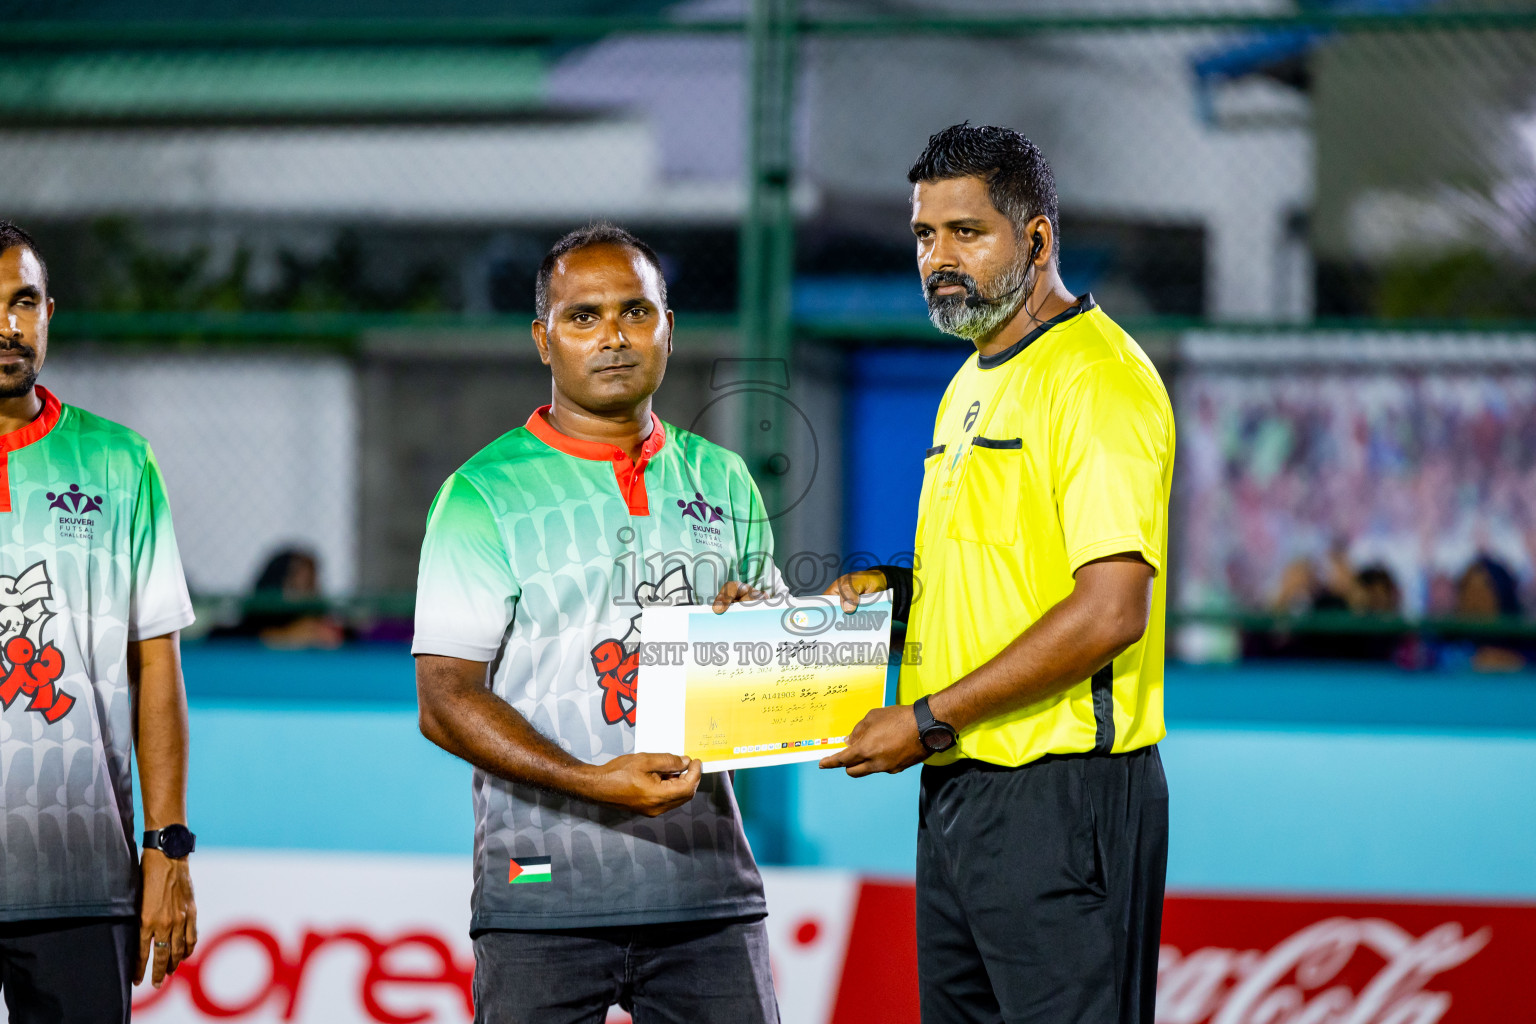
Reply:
x=467, y=593
x=88, y=562
x=540, y=553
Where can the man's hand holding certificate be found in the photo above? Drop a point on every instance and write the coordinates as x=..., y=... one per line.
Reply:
x=764, y=682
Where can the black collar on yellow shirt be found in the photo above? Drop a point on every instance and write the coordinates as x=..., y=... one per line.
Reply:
x=1083, y=304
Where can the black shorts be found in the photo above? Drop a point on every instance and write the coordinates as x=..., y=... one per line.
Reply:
x=68, y=970
x=1040, y=890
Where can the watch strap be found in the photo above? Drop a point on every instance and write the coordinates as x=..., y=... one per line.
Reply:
x=925, y=719
x=927, y=724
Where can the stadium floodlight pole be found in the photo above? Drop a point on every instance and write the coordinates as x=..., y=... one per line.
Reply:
x=767, y=270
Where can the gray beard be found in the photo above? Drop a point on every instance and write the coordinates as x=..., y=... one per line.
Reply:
x=950, y=314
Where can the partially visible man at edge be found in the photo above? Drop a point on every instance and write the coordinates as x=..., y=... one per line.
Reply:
x=92, y=602
x=602, y=875
x=1037, y=602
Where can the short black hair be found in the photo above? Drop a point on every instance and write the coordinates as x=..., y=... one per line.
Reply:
x=1018, y=179
x=12, y=237
x=596, y=233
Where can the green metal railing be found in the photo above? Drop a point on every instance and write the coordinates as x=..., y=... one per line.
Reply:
x=338, y=328
x=345, y=328
x=61, y=35
x=230, y=607
x=1339, y=623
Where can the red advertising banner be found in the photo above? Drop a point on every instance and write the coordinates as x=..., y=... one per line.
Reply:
x=1244, y=960
x=374, y=939
x=1254, y=960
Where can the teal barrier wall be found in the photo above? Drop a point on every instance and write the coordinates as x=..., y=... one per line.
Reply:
x=1283, y=777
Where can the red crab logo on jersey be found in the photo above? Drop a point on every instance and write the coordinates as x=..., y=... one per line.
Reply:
x=27, y=664
x=618, y=661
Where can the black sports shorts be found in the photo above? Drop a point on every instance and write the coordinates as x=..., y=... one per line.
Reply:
x=1040, y=890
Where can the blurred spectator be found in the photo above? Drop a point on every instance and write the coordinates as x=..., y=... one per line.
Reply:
x=1373, y=592
x=292, y=575
x=1485, y=591
x=1376, y=592
x=1370, y=591
x=1302, y=590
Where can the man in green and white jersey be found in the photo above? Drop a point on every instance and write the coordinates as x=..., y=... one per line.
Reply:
x=602, y=875
x=91, y=604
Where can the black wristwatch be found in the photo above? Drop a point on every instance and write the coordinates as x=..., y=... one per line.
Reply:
x=175, y=841
x=937, y=736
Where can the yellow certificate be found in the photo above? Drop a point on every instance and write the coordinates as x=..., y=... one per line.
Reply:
x=773, y=682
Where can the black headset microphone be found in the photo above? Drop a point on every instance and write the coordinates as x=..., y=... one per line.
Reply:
x=977, y=301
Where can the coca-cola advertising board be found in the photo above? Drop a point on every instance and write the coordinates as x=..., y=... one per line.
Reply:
x=366, y=938
x=1274, y=961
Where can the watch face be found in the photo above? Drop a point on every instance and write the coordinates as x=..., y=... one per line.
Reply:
x=938, y=739
x=176, y=841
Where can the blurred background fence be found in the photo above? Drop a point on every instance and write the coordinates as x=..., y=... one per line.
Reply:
x=294, y=244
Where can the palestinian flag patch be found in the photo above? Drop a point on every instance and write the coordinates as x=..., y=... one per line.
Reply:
x=529, y=870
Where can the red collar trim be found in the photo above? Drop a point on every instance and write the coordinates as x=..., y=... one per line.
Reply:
x=38, y=428
x=34, y=431
x=595, y=450
x=629, y=475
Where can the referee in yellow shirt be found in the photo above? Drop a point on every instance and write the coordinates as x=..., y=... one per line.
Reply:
x=1037, y=599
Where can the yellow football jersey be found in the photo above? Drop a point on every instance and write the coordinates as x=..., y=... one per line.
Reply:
x=1046, y=456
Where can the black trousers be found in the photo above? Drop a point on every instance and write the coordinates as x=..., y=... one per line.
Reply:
x=694, y=972
x=1040, y=890
x=76, y=970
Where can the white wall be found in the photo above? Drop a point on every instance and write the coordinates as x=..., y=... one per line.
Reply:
x=259, y=451
x=532, y=173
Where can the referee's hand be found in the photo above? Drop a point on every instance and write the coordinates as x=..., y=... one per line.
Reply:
x=850, y=587
x=886, y=740
x=648, y=784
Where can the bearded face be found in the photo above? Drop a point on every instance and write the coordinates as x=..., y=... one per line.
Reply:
x=979, y=311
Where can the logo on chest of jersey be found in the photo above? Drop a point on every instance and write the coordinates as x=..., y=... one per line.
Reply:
x=617, y=661
x=705, y=516
x=77, y=507
x=29, y=665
